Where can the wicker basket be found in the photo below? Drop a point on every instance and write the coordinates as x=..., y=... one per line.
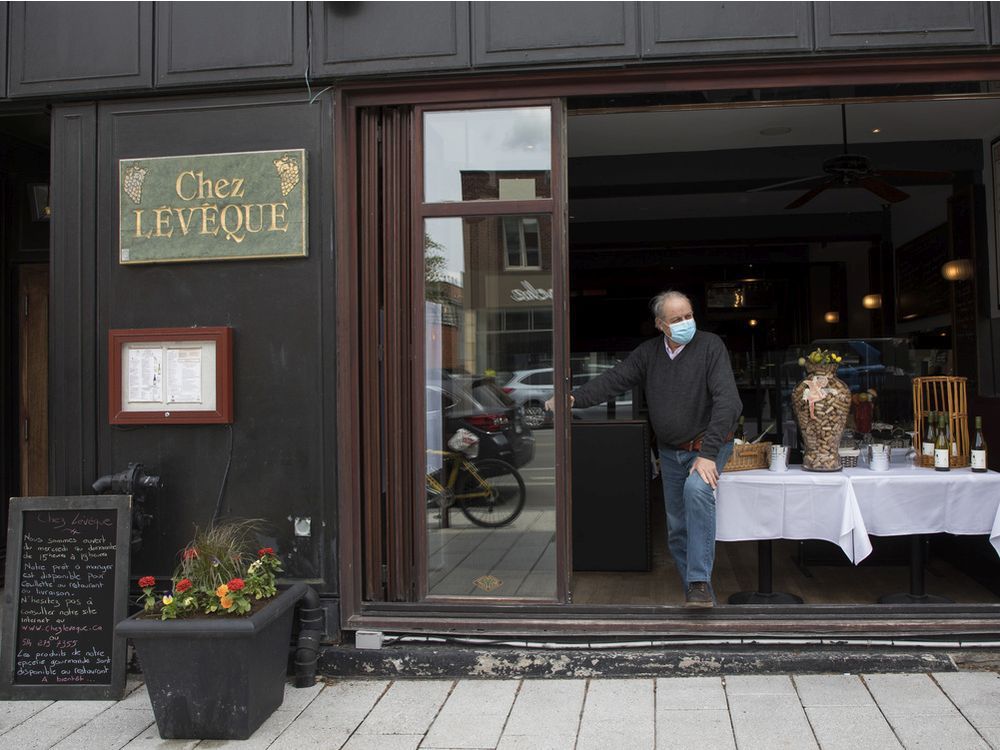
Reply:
x=748, y=456
x=945, y=393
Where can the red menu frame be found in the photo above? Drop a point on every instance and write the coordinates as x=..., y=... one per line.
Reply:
x=222, y=336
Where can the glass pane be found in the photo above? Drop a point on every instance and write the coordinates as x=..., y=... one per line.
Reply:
x=490, y=483
x=487, y=154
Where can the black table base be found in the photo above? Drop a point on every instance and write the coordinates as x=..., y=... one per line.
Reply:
x=918, y=588
x=765, y=582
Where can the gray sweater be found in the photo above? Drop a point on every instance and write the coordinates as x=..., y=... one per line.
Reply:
x=687, y=396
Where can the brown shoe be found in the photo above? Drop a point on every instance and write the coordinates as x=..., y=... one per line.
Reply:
x=698, y=596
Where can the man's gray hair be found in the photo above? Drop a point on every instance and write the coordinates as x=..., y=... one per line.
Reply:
x=656, y=305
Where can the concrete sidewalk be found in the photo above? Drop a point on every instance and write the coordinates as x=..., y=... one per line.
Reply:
x=955, y=710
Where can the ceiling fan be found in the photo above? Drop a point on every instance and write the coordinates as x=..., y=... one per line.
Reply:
x=856, y=171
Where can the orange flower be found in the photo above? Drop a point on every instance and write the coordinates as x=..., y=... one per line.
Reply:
x=222, y=590
x=226, y=602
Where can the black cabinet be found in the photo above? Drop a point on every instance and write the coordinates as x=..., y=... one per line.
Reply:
x=873, y=25
x=507, y=33
x=62, y=47
x=703, y=28
x=351, y=38
x=611, y=471
x=223, y=42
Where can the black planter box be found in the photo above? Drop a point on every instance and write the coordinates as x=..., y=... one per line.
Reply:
x=215, y=678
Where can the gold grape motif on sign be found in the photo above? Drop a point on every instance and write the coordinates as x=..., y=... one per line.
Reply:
x=132, y=182
x=487, y=583
x=288, y=173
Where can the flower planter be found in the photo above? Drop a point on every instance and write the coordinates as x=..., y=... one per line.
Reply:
x=215, y=678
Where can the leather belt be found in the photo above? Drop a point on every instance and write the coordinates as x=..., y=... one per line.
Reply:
x=695, y=445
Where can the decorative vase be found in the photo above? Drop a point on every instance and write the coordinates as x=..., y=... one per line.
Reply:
x=217, y=677
x=821, y=403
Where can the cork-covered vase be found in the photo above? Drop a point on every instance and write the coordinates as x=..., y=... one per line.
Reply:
x=821, y=403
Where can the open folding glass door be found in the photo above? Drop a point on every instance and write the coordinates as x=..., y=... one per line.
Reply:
x=470, y=279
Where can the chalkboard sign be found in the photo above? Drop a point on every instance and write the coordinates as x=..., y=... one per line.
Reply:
x=67, y=586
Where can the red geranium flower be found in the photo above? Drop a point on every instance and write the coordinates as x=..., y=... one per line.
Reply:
x=190, y=553
x=183, y=585
x=236, y=584
x=147, y=582
x=265, y=551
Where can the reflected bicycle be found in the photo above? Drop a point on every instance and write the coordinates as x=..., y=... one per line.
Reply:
x=488, y=491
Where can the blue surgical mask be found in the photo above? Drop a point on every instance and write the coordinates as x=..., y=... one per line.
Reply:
x=683, y=332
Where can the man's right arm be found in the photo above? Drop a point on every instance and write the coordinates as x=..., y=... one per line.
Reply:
x=622, y=378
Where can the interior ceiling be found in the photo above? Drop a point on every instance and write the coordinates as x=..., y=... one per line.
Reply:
x=739, y=127
x=679, y=154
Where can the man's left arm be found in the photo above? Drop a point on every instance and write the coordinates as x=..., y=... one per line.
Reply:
x=726, y=404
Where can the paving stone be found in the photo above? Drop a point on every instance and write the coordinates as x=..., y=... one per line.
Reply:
x=13, y=713
x=976, y=694
x=333, y=716
x=408, y=707
x=109, y=730
x=137, y=699
x=618, y=713
x=909, y=695
x=686, y=693
x=769, y=721
x=832, y=690
x=705, y=729
x=759, y=685
x=546, y=714
x=473, y=716
x=150, y=740
x=53, y=723
x=851, y=727
x=382, y=742
x=934, y=732
x=265, y=735
x=296, y=699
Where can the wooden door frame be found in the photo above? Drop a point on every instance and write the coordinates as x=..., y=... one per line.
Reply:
x=451, y=91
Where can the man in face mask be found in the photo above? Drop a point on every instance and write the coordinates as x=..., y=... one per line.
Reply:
x=693, y=406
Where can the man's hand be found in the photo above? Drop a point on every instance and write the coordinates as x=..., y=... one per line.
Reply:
x=707, y=471
x=550, y=405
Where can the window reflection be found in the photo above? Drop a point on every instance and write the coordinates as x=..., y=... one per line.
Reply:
x=490, y=481
x=490, y=154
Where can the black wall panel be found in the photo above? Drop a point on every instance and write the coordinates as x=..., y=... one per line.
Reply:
x=72, y=325
x=852, y=25
x=522, y=32
x=64, y=47
x=225, y=42
x=703, y=28
x=282, y=440
x=351, y=38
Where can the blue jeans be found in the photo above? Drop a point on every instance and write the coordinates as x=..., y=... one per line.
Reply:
x=690, y=504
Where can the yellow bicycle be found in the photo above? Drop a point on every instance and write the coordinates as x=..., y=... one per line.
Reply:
x=488, y=491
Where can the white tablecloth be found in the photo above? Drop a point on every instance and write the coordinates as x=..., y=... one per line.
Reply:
x=760, y=504
x=907, y=500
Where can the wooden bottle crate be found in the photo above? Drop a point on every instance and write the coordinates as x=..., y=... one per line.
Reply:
x=942, y=393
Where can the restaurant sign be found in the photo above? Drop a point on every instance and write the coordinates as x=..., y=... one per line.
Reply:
x=213, y=207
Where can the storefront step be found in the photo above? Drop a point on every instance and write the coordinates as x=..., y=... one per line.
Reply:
x=454, y=661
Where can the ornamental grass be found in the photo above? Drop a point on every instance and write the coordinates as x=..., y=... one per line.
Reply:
x=218, y=574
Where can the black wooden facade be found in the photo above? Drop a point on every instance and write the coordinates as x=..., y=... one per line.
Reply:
x=131, y=79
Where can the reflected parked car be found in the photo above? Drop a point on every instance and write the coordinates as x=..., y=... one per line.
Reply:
x=476, y=403
x=530, y=389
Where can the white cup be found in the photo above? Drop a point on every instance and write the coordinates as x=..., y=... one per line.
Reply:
x=779, y=458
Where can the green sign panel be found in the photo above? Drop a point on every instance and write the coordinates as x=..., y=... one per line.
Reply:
x=213, y=207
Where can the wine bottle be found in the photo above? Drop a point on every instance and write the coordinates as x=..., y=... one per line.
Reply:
x=740, y=435
x=942, y=451
x=930, y=436
x=979, y=448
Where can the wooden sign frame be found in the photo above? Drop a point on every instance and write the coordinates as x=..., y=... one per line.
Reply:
x=221, y=337
x=9, y=688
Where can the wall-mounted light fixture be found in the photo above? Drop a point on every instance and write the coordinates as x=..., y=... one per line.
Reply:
x=832, y=317
x=871, y=301
x=752, y=322
x=957, y=270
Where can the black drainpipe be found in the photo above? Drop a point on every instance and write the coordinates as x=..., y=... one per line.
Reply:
x=310, y=633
